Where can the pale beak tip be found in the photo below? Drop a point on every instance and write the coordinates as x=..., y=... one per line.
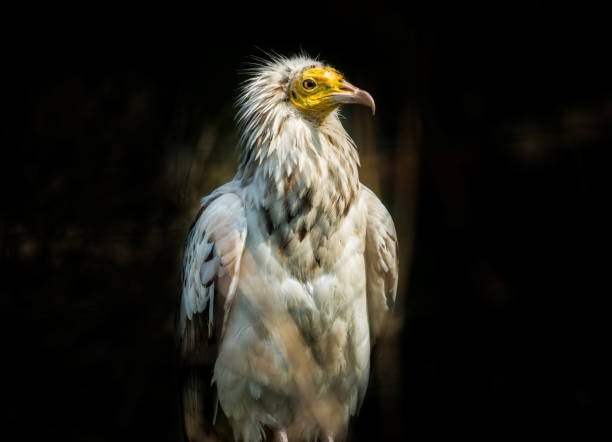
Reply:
x=354, y=95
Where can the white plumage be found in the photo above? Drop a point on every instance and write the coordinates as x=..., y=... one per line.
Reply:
x=289, y=272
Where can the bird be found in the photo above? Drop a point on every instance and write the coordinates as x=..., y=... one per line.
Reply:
x=289, y=271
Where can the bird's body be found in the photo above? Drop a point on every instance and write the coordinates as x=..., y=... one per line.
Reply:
x=289, y=270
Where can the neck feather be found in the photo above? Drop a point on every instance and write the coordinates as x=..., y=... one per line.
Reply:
x=303, y=176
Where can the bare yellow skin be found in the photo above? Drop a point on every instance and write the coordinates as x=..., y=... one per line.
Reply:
x=318, y=91
x=318, y=99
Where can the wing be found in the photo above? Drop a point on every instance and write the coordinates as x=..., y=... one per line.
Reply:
x=210, y=269
x=381, y=257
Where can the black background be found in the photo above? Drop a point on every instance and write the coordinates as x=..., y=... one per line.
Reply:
x=502, y=312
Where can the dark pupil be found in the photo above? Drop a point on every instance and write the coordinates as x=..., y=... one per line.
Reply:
x=308, y=84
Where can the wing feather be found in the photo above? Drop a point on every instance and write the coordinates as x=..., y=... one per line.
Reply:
x=210, y=269
x=382, y=263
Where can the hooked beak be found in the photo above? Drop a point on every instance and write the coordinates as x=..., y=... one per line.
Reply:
x=347, y=93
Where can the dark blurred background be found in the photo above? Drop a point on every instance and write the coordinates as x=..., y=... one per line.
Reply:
x=490, y=148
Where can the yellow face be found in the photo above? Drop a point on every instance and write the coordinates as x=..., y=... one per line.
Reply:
x=318, y=91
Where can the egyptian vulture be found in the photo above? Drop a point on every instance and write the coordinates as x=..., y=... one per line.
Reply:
x=289, y=270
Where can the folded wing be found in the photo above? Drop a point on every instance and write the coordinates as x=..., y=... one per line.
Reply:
x=210, y=269
x=381, y=262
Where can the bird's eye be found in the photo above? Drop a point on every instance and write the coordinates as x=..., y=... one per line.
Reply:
x=308, y=84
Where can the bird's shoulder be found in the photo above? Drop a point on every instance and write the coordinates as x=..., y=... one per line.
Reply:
x=376, y=210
